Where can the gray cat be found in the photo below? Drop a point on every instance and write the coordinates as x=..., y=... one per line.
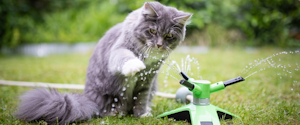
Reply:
x=122, y=73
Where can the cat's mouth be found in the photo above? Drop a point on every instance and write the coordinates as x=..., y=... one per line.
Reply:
x=156, y=47
x=150, y=49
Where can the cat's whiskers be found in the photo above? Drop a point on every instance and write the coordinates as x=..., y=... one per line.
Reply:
x=142, y=51
x=169, y=51
x=146, y=53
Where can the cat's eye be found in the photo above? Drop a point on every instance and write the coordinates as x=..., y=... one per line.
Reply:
x=153, y=31
x=169, y=36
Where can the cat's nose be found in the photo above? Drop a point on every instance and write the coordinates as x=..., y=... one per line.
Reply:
x=158, y=45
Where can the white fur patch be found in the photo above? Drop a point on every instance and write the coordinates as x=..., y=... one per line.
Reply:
x=132, y=66
x=147, y=114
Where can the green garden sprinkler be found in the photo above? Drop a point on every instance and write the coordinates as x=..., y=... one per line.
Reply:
x=200, y=111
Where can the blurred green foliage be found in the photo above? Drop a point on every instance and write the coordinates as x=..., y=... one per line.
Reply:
x=270, y=21
x=250, y=22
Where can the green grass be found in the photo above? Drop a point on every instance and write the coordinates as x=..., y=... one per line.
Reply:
x=267, y=97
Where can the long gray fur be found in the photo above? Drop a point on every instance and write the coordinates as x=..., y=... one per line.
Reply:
x=109, y=89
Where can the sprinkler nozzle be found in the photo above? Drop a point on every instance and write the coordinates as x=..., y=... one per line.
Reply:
x=233, y=81
x=184, y=76
x=187, y=84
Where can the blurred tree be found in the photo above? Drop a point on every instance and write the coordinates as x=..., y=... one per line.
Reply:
x=270, y=22
x=18, y=16
x=267, y=22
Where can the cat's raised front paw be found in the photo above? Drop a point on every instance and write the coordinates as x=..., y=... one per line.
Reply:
x=132, y=66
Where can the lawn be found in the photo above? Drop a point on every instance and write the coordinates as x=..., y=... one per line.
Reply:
x=269, y=96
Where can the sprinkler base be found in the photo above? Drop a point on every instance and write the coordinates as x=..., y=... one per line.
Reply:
x=199, y=114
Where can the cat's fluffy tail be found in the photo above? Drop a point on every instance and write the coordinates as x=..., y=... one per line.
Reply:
x=52, y=107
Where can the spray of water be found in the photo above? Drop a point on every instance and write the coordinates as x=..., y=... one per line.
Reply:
x=270, y=62
x=185, y=66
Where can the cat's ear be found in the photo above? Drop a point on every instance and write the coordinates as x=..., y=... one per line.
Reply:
x=149, y=10
x=183, y=19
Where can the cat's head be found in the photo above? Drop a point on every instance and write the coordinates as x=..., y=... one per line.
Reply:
x=159, y=26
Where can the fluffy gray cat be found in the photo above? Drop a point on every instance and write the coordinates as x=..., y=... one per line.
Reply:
x=122, y=73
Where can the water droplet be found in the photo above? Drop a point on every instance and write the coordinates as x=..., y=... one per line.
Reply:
x=104, y=111
x=127, y=85
x=142, y=84
x=113, y=105
x=134, y=98
x=146, y=73
x=292, y=89
x=166, y=85
x=296, y=69
x=126, y=79
x=162, y=55
x=133, y=107
x=280, y=77
x=124, y=88
x=165, y=81
x=102, y=122
x=116, y=100
x=112, y=109
x=122, y=94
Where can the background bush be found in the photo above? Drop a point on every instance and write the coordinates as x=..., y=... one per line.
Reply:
x=214, y=22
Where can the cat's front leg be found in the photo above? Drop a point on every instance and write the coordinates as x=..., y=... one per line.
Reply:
x=124, y=61
x=141, y=106
x=132, y=66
